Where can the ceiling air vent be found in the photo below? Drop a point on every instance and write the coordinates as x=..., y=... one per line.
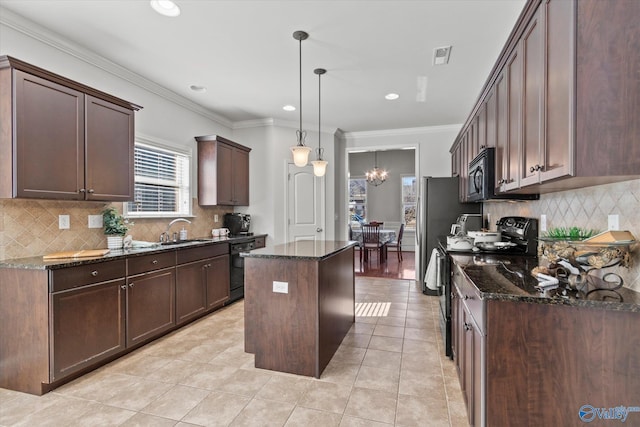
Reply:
x=441, y=55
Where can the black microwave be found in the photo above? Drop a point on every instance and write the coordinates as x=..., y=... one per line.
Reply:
x=482, y=177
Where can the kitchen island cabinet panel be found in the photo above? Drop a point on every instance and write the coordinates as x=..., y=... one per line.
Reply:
x=299, y=304
x=88, y=325
x=158, y=290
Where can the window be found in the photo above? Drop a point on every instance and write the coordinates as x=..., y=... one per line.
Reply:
x=409, y=196
x=357, y=199
x=162, y=177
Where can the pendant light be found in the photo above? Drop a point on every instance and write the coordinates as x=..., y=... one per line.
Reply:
x=376, y=176
x=300, y=151
x=319, y=165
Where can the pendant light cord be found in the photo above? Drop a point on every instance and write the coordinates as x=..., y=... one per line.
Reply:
x=300, y=80
x=319, y=109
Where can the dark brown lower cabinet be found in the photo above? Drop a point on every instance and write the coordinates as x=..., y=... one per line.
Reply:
x=202, y=280
x=218, y=281
x=155, y=290
x=536, y=364
x=88, y=325
x=58, y=323
x=191, y=290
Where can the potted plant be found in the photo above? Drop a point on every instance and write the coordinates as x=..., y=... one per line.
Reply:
x=114, y=228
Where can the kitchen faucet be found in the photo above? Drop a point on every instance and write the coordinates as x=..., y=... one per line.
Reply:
x=164, y=237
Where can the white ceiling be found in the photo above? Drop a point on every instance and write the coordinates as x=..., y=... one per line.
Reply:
x=244, y=53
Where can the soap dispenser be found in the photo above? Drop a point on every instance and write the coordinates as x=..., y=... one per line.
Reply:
x=183, y=234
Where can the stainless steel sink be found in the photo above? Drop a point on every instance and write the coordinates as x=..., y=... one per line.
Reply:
x=179, y=242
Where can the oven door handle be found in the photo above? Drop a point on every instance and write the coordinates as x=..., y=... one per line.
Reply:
x=440, y=268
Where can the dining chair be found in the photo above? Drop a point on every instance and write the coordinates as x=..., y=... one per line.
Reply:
x=371, y=241
x=397, y=243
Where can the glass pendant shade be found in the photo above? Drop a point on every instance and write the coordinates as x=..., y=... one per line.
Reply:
x=300, y=155
x=319, y=167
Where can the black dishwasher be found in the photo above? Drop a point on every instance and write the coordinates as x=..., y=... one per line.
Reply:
x=236, y=282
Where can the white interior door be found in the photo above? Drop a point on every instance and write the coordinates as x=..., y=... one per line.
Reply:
x=305, y=204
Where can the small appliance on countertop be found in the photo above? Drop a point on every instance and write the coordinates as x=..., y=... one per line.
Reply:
x=238, y=224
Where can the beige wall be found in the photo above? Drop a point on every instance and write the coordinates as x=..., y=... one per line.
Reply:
x=589, y=208
x=30, y=227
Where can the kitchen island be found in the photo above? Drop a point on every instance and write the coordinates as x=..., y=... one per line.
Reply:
x=299, y=304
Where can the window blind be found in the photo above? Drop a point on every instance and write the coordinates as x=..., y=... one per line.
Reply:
x=161, y=182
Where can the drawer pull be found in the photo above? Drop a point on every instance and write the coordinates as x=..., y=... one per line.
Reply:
x=154, y=262
x=94, y=273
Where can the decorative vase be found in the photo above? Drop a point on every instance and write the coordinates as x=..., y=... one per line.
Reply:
x=114, y=242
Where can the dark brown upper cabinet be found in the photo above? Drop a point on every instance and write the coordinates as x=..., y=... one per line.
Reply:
x=223, y=172
x=61, y=139
x=567, y=98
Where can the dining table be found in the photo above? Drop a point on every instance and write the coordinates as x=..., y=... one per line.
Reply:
x=386, y=236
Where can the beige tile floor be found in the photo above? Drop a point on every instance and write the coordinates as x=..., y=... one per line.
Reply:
x=388, y=371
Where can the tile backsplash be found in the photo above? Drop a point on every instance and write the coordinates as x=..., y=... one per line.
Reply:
x=30, y=227
x=587, y=208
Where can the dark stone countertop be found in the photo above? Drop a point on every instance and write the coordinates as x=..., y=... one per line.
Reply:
x=37, y=263
x=301, y=250
x=496, y=278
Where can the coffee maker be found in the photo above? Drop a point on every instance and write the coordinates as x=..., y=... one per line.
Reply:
x=237, y=223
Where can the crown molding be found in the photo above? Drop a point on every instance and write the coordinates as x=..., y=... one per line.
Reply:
x=55, y=40
x=400, y=132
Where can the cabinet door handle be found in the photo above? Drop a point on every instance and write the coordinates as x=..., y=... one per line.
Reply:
x=532, y=169
x=82, y=190
x=466, y=297
x=539, y=167
x=467, y=327
x=123, y=287
x=94, y=273
x=131, y=285
x=154, y=262
x=91, y=191
x=318, y=229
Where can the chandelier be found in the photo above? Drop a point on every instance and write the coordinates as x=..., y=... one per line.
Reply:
x=376, y=176
x=300, y=151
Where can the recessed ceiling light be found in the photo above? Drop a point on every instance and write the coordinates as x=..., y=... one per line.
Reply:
x=165, y=7
x=289, y=108
x=391, y=96
x=197, y=88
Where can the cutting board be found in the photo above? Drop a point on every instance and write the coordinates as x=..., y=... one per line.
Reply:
x=87, y=253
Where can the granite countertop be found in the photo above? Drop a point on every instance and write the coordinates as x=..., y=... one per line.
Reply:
x=37, y=263
x=508, y=278
x=302, y=250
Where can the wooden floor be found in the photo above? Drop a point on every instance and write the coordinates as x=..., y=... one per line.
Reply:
x=392, y=268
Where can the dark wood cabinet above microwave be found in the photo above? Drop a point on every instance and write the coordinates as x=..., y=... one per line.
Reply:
x=562, y=101
x=61, y=139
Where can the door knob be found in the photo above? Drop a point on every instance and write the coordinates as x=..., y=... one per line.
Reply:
x=319, y=230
